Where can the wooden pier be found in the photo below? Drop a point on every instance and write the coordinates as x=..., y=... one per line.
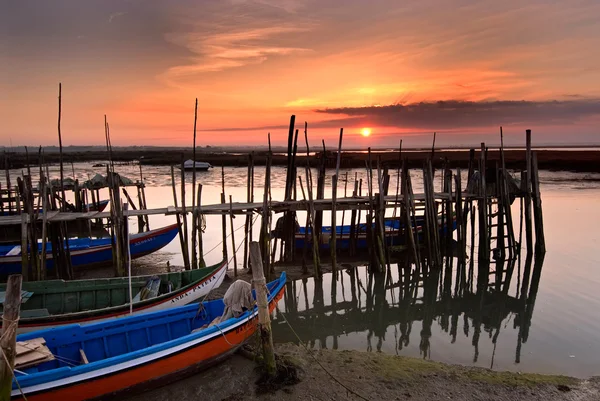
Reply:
x=428, y=225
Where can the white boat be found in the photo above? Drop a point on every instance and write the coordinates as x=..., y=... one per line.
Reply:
x=200, y=166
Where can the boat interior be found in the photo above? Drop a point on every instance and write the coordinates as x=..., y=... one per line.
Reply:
x=57, y=297
x=76, y=346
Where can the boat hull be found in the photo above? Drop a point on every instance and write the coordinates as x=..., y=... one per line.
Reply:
x=191, y=353
x=394, y=236
x=93, y=256
x=183, y=296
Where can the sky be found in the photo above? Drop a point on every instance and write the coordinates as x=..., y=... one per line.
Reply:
x=393, y=69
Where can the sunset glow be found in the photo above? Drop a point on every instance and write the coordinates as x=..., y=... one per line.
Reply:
x=365, y=132
x=253, y=63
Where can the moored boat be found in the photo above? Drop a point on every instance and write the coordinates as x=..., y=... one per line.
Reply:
x=53, y=303
x=87, y=252
x=199, y=166
x=133, y=353
x=394, y=232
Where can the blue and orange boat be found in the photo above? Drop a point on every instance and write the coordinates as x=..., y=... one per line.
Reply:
x=133, y=353
x=88, y=252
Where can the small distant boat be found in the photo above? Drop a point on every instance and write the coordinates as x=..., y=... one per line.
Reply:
x=88, y=252
x=394, y=230
x=200, y=166
x=53, y=303
x=130, y=353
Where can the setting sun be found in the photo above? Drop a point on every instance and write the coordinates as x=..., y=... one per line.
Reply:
x=365, y=132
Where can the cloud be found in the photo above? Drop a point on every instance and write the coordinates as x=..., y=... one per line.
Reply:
x=231, y=49
x=115, y=15
x=463, y=114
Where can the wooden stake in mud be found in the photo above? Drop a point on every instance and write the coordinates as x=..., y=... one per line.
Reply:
x=10, y=319
x=62, y=178
x=249, y=199
x=186, y=242
x=231, y=217
x=540, y=241
x=200, y=227
x=178, y=217
x=528, y=171
x=194, y=220
x=334, y=184
x=264, y=322
x=223, y=216
x=311, y=210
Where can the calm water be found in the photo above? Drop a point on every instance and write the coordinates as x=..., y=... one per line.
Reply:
x=553, y=328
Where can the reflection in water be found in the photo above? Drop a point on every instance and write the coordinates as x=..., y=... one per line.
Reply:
x=414, y=307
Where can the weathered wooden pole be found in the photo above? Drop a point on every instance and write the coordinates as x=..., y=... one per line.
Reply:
x=194, y=220
x=186, y=241
x=223, y=215
x=247, y=226
x=528, y=222
x=10, y=320
x=178, y=217
x=200, y=228
x=264, y=321
x=233, y=248
x=540, y=241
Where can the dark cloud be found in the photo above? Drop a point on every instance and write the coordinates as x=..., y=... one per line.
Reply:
x=463, y=114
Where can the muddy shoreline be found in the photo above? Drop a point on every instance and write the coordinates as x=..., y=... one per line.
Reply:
x=355, y=375
x=567, y=160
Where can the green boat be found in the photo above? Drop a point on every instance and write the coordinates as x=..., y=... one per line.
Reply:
x=52, y=303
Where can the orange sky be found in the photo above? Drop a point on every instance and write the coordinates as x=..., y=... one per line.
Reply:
x=253, y=63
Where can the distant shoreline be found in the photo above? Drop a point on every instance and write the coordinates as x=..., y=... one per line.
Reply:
x=565, y=160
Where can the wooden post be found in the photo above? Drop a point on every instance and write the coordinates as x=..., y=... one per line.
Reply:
x=186, y=242
x=10, y=319
x=264, y=322
x=248, y=212
x=528, y=222
x=224, y=215
x=333, y=237
x=194, y=220
x=199, y=226
x=265, y=234
x=311, y=209
x=484, y=241
x=540, y=241
x=352, y=236
x=178, y=217
x=232, y=236
x=142, y=188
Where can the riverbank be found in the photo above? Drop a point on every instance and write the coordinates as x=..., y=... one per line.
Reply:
x=370, y=376
x=568, y=160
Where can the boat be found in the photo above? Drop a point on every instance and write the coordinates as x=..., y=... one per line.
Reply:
x=99, y=207
x=200, y=166
x=134, y=353
x=53, y=303
x=88, y=252
x=394, y=230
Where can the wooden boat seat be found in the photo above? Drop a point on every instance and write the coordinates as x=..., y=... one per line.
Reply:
x=32, y=313
x=32, y=352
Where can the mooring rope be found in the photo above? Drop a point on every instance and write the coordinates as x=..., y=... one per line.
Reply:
x=308, y=351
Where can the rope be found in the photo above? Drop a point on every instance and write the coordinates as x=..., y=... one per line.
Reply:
x=229, y=235
x=308, y=351
x=12, y=371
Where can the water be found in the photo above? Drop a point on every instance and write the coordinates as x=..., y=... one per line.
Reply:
x=554, y=329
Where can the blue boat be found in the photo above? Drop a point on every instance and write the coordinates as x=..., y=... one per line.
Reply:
x=88, y=252
x=394, y=229
x=135, y=352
